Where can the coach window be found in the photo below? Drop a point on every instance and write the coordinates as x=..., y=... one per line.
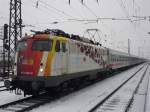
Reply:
x=57, y=47
x=63, y=47
x=113, y=58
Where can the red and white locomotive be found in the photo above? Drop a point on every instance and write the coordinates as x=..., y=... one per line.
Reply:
x=51, y=58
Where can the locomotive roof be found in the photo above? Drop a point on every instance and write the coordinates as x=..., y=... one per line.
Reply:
x=62, y=34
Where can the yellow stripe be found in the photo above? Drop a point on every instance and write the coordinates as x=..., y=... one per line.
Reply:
x=49, y=64
x=51, y=54
x=48, y=68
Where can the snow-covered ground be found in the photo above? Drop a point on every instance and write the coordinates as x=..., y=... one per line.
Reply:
x=7, y=96
x=147, y=109
x=1, y=83
x=140, y=97
x=86, y=98
x=120, y=100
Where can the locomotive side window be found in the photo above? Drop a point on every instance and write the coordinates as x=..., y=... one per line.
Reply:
x=57, y=47
x=63, y=47
x=42, y=45
x=22, y=45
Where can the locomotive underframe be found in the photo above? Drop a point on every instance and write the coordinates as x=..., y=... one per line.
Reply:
x=31, y=84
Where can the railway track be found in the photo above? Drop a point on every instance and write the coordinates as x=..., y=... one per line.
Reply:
x=32, y=102
x=3, y=88
x=26, y=104
x=117, y=102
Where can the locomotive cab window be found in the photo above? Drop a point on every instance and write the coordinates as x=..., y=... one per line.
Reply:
x=42, y=45
x=22, y=45
x=57, y=47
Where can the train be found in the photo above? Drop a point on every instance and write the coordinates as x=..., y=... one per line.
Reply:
x=53, y=59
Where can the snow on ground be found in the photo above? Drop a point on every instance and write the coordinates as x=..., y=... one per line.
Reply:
x=140, y=96
x=1, y=83
x=86, y=98
x=119, y=101
x=7, y=96
x=147, y=109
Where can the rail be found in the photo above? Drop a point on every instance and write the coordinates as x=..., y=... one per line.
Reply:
x=116, y=90
x=26, y=104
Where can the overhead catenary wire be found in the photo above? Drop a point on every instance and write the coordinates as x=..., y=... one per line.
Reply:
x=37, y=4
x=40, y=8
x=82, y=1
x=48, y=7
x=83, y=20
x=122, y=5
x=73, y=8
x=99, y=19
x=58, y=10
x=96, y=30
x=134, y=18
x=52, y=22
x=92, y=12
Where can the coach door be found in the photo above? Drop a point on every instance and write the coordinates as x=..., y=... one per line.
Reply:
x=61, y=57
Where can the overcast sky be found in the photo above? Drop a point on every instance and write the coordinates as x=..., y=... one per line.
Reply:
x=41, y=14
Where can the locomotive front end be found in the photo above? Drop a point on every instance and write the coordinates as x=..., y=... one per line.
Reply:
x=31, y=63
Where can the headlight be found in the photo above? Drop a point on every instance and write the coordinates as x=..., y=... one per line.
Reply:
x=41, y=69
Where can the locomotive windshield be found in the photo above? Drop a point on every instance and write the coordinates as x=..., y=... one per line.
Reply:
x=22, y=45
x=42, y=45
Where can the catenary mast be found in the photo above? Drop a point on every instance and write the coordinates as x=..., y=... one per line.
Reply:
x=15, y=30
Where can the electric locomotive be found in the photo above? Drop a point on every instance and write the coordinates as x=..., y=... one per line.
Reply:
x=53, y=58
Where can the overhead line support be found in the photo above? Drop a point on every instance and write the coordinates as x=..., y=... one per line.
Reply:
x=15, y=30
